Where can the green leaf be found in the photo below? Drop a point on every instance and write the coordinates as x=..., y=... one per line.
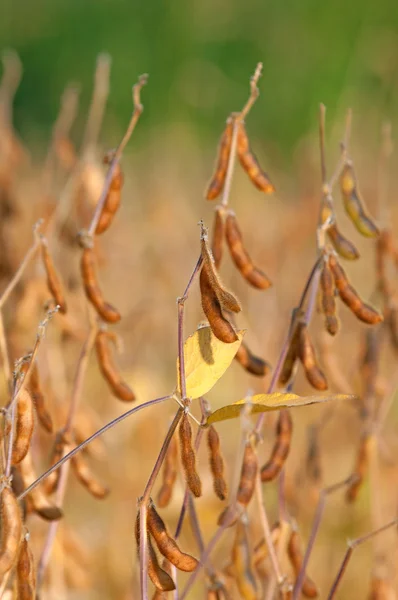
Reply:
x=266, y=402
x=206, y=360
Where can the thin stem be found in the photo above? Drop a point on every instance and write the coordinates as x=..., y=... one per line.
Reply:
x=231, y=165
x=203, y=560
x=344, y=151
x=351, y=547
x=254, y=92
x=98, y=102
x=79, y=378
x=138, y=108
x=86, y=442
x=25, y=262
x=180, y=330
x=63, y=478
x=25, y=381
x=144, y=504
x=267, y=532
x=314, y=531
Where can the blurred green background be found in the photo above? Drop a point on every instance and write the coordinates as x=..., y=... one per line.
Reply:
x=199, y=55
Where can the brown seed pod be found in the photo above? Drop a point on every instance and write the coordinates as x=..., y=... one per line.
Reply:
x=291, y=357
x=307, y=357
x=313, y=463
x=295, y=554
x=248, y=474
x=93, y=292
x=227, y=299
x=159, y=577
x=361, y=467
x=169, y=473
x=328, y=300
x=216, y=463
x=24, y=424
x=26, y=575
x=53, y=280
x=87, y=479
x=362, y=311
x=281, y=448
x=159, y=595
x=253, y=364
x=261, y=550
x=392, y=323
x=353, y=203
x=218, y=237
x=216, y=184
x=38, y=499
x=241, y=258
x=11, y=530
x=50, y=484
x=108, y=369
x=250, y=163
x=38, y=400
x=166, y=544
x=341, y=244
x=220, y=326
x=112, y=201
x=188, y=457
x=242, y=565
x=381, y=589
x=384, y=249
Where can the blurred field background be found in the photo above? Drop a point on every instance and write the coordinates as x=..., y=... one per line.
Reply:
x=199, y=56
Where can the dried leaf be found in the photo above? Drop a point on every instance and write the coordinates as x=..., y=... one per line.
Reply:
x=206, y=360
x=266, y=402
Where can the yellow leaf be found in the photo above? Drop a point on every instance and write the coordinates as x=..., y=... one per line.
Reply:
x=266, y=402
x=206, y=360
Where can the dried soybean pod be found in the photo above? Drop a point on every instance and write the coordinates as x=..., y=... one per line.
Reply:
x=381, y=589
x=362, y=311
x=24, y=423
x=216, y=463
x=38, y=499
x=309, y=589
x=353, y=203
x=242, y=567
x=220, y=326
x=313, y=460
x=53, y=280
x=160, y=578
x=169, y=473
x=112, y=201
x=253, y=364
x=361, y=467
x=281, y=448
x=108, y=369
x=38, y=400
x=341, y=244
x=291, y=357
x=328, y=300
x=218, y=237
x=307, y=357
x=226, y=298
x=216, y=184
x=241, y=258
x=11, y=530
x=159, y=595
x=188, y=457
x=248, y=475
x=250, y=163
x=87, y=479
x=26, y=575
x=166, y=544
x=51, y=482
x=93, y=292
